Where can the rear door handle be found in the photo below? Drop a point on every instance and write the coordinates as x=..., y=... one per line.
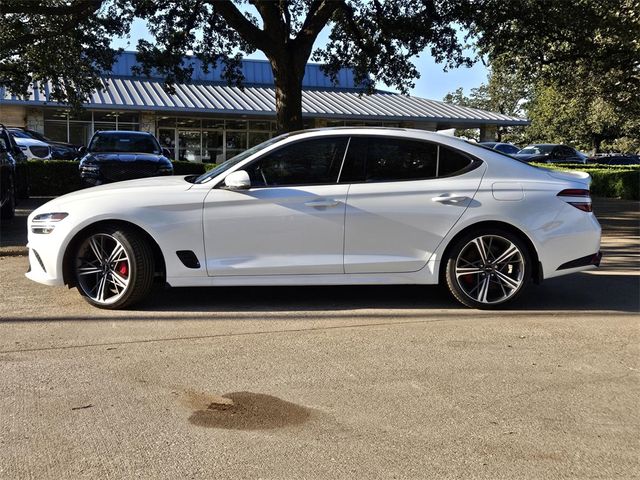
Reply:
x=323, y=203
x=449, y=198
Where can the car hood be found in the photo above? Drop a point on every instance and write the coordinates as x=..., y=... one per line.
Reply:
x=126, y=157
x=139, y=188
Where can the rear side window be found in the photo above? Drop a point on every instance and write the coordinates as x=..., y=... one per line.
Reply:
x=383, y=159
x=308, y=162
x=451, y=162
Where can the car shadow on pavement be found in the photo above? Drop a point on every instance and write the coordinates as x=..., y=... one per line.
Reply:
x=580, y=292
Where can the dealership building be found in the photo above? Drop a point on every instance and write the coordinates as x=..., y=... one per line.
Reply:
x=206, y=120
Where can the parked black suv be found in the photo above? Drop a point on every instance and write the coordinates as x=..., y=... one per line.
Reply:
x=59, y=150
x=122, y=155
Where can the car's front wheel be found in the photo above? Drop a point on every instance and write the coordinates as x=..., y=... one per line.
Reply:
x=488, y=268
x=114, y=267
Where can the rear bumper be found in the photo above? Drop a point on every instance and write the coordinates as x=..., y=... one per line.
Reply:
x=587, y=261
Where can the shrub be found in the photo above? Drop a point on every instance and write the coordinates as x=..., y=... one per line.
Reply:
x=614, y=181
x=53, y=177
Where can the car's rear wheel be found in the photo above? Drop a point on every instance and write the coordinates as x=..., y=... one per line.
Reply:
x=114, y=267
x=488, y=268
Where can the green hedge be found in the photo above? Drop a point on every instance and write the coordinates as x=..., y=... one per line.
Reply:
x=613, y=181
x=57, y=177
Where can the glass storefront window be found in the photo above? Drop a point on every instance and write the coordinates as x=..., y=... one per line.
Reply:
x=100, y=126
x=79, y=133
x=213, y=124
x=167, y=139
x=56, y=130
x=127, y=117
x=235, y=124
x=107, y=117
x=335, y=123
x=166, y=121
x=258, y=137
x=259, y=125
x=189, y=123
x=189, y=146
x=212, y=147
x=55, y=114
x=236, y=143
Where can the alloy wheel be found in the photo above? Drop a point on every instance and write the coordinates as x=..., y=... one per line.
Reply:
x=103, y=268
x=490, y=269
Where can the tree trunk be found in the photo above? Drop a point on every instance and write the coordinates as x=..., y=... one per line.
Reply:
x=288, y=72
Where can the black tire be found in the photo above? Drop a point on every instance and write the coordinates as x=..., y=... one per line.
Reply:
x=8, y=210
x=137, y=269
x=489, y=284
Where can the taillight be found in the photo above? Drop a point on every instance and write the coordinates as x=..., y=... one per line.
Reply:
x=578, y=192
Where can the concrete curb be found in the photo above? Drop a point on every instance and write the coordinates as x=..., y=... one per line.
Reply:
x=14, y=251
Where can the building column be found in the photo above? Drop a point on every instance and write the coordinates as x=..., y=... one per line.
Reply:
x=488, y=133
x=148, y=122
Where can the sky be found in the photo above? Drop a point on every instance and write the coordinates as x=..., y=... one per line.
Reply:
x=433, y=83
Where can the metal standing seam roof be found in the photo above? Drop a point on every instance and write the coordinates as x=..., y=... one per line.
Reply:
x=148, y=94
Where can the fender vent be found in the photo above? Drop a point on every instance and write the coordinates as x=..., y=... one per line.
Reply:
x=188, y=258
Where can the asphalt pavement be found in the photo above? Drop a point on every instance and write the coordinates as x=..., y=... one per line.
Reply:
x=332, y=382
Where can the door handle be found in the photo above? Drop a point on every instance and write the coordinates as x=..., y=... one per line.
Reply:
x=449, y=198
x=322, y=203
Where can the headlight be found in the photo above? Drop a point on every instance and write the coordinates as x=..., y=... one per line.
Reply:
x=45, y=222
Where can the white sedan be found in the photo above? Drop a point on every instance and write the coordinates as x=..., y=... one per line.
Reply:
x=325, y=207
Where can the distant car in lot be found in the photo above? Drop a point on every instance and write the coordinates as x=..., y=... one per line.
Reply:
x=507, y=148
x=617, y=159
x=113, y=156
x=551, y=153
x=32, y=148
x=325, y=207
x=59, y=150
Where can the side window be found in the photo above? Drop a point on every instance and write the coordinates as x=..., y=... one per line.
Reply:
x=309, y=162
x=451, y=162
x=389, y=159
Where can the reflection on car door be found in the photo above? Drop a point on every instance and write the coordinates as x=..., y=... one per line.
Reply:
x=291, y=220
x=405, y=197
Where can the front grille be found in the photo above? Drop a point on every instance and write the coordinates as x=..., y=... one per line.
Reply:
x=40, y=152
x=128, y=170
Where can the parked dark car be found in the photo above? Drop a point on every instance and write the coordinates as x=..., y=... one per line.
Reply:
x=550, y=153
x=617, y=159
x=14, y=155
x=122, y=155
x=507, y=148
x=59, y=150
x=7, y=181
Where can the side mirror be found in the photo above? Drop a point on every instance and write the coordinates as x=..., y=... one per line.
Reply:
x=82, y=150
x=166, y=152
x=238, y=180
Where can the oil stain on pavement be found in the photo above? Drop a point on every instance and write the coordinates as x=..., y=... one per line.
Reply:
x=244, y=411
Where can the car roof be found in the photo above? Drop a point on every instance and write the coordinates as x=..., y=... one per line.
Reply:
x=135, y=132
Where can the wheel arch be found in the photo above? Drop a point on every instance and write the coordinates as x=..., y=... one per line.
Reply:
x=536, y=267
x=67, y=270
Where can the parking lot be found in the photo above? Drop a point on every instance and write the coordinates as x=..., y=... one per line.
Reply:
x=331, y=382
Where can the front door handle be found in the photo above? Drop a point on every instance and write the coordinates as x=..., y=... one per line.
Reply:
x=324, y=203
x=449, y=198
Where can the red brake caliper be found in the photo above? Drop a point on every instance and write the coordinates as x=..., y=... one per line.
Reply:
x=123, y=268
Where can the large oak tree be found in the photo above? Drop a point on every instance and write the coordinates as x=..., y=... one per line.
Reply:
x=67, y=41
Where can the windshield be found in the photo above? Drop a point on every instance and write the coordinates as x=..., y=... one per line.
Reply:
x=124, y=142
x=19, y=134
x=223, y=167
x=537, y=149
